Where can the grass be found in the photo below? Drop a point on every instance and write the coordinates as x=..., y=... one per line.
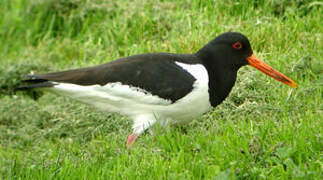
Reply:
x=263, y=130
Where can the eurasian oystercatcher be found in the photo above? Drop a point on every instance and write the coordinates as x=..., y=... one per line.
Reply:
x=159, y=88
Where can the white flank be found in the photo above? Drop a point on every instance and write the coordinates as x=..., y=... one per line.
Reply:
x=144, y=108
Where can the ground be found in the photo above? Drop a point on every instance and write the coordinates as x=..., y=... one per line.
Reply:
x=263, y=130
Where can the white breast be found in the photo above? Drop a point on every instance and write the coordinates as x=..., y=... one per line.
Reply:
x=196, y=102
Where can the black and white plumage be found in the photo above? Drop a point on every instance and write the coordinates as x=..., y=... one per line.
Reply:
x=144, y=87
x=154, y=88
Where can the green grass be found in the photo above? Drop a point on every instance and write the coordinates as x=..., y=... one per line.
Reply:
x=263, y=130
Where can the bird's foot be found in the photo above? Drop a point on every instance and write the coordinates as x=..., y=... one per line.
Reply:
x=131, y=139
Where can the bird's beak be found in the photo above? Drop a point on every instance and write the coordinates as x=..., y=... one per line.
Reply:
x=257, y=63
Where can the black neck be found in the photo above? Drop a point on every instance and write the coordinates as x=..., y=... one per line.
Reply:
x=221, y=78
x=220, y=84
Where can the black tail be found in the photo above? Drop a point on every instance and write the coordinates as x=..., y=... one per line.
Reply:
x=30, y=84
x=32, y=81
x=34, y=85
x=27, y=86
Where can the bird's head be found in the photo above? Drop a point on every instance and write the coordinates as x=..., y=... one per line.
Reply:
x=233, y=50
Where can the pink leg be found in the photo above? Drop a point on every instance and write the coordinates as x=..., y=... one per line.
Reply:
x=131, y=139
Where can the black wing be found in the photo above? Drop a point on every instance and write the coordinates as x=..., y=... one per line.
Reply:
x=157, y=74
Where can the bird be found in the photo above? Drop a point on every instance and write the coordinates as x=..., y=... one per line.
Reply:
x=159, y=88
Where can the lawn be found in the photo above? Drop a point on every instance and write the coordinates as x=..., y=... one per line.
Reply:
x=263, y=130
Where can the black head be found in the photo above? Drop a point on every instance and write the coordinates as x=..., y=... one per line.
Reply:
x=228, y=50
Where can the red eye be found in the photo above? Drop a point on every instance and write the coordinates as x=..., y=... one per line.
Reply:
x=237, y=45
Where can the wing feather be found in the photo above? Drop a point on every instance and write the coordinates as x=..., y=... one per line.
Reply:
x=157, y=74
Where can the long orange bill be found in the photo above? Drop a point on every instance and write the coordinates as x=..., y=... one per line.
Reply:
x=257, y=63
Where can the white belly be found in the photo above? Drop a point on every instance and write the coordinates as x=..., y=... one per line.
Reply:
x=125, y=100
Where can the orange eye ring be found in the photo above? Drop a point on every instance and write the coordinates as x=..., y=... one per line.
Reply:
x=237, y=45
